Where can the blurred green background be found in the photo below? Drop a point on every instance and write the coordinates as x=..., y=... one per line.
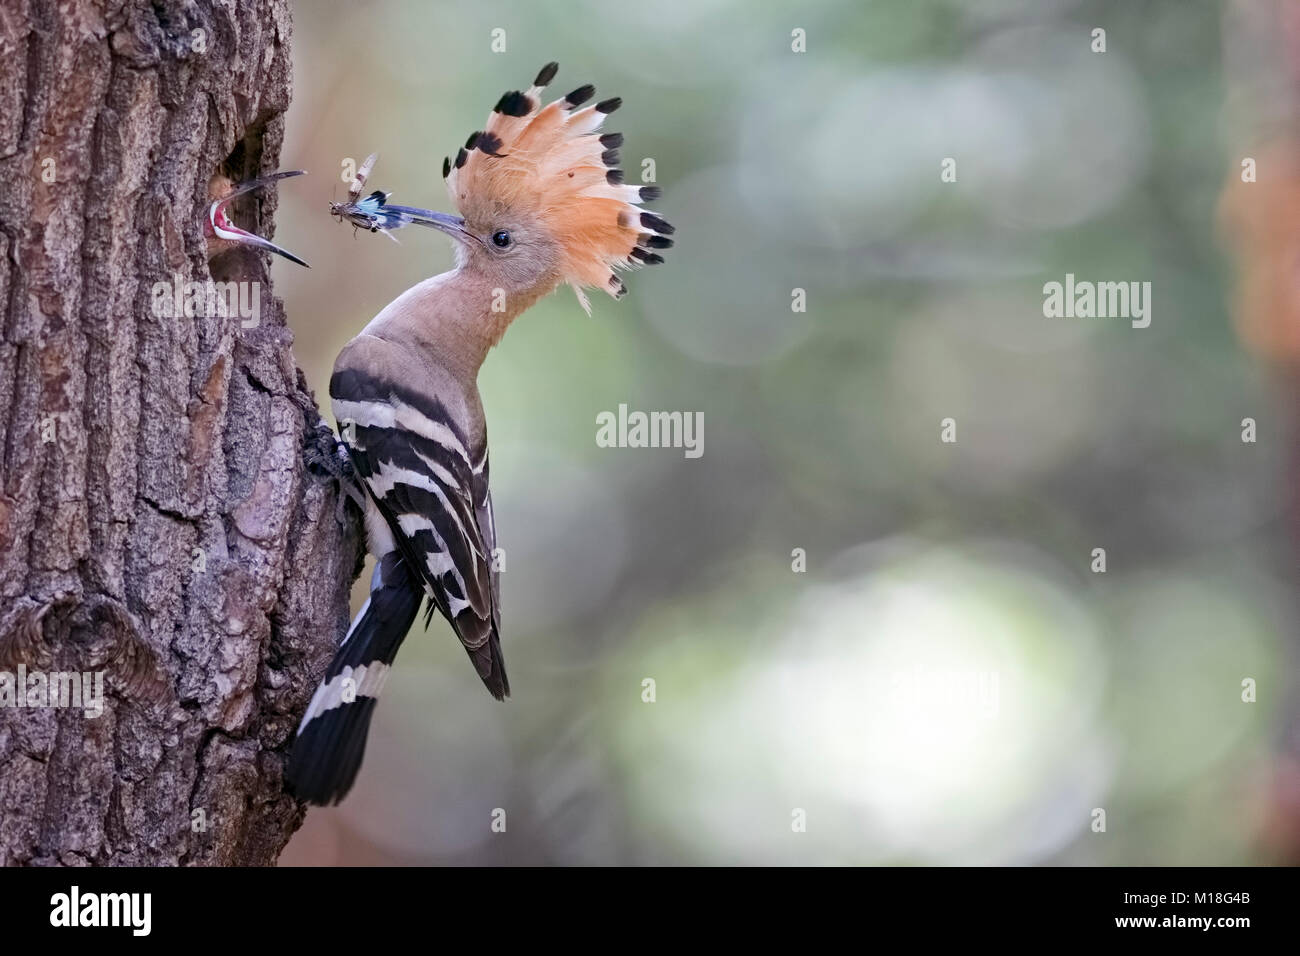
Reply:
x=948, y=681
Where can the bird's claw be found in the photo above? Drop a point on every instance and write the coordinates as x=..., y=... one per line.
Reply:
x=327, y=457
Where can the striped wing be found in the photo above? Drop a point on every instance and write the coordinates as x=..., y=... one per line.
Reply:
x=487, y=521
x=431, y=492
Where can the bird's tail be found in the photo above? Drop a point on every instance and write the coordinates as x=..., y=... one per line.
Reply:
x=332, y=736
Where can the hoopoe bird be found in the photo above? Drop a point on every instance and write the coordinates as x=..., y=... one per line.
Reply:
x=541, y=202
x=221, y=234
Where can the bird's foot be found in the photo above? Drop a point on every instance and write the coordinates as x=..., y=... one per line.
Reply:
x=328, y=457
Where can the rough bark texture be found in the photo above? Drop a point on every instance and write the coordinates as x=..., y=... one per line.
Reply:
x=156, y=519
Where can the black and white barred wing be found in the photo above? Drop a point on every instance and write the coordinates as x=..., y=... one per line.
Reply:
x=487, y=521
x=417, y=468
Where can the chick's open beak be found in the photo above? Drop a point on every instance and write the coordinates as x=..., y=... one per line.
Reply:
x=219, y=226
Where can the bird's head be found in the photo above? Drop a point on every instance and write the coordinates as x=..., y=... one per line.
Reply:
x=542, y=200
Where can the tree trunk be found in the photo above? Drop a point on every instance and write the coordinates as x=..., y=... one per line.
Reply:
x=157, y=524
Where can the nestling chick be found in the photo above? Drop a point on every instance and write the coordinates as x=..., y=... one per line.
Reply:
x=222, y=234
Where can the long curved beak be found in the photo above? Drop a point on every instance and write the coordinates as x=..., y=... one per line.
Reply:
x=223, y=228
x=453, y=226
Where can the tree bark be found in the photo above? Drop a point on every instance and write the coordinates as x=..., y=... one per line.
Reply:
x=157, y=523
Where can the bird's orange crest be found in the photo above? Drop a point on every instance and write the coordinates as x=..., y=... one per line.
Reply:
x=552, y=164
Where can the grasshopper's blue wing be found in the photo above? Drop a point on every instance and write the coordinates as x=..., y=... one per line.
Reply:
x=388, y=217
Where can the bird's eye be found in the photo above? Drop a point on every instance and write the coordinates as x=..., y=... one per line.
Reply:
x=501, y=239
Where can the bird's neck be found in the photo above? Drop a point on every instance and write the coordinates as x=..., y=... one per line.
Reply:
x=455, y=318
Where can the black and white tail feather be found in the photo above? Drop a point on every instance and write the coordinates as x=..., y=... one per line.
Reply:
x=429, y=515
x=332, y=736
